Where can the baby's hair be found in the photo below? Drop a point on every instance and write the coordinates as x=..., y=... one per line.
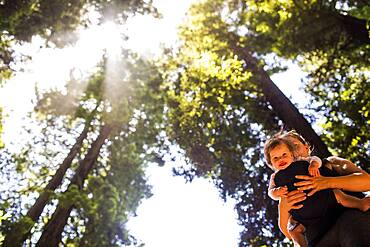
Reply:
x=273, y=143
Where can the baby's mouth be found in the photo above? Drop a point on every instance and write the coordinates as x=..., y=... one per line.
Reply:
x=282, y=164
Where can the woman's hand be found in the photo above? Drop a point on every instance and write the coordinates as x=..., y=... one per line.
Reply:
x=312, y=183
x=285, y=205
x=291, y=199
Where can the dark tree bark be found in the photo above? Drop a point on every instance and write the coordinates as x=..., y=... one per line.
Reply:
x=283, y=107
x=52, y=233
x=356, y=28
x=16, y=237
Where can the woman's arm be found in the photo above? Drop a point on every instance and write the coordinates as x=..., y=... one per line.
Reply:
x=285, y=205
x=284, y=217
x=354, y=179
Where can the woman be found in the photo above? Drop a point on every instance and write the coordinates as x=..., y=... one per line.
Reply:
x=346, y=228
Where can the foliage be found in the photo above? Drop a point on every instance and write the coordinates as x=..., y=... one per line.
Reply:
x=114, y=198
x=56, y=21
x=22, y=20
x=292, y=28
x=341, y=90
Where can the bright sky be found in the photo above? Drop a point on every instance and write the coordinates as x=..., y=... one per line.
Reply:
x=184, y=215
x=178, y=214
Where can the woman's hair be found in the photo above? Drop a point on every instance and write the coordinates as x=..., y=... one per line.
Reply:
x=273, y=143
x=294, y=134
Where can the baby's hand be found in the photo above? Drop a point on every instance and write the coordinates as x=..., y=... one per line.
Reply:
x=313, y=169
x=280, y=191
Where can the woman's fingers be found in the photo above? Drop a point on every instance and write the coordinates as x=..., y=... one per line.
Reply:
x=291, y=199
x=295, y=196
x=294, y=192
x=302, y=183
x=307, y=184
x=312, y=183
x=312, y=192
x=295, y=200
x=305, y=177
x=307, y=180
x=296, y=206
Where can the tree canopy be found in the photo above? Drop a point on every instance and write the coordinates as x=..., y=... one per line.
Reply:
x=56, y=21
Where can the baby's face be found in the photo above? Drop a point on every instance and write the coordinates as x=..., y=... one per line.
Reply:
x=301, y=150
x=281, y=157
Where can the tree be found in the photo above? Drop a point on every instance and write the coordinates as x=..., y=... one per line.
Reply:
x=51, y=235
x=115, y=196
x=113, y=113
x=48, y=107
x=21, y=230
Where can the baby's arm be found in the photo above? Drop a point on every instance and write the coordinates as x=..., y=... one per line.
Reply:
x=315, y=164
x=275, y=193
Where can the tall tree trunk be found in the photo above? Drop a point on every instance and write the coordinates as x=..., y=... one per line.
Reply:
x=20, y=232
x=356, y=28
x=283, y=107
x=52, y=233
